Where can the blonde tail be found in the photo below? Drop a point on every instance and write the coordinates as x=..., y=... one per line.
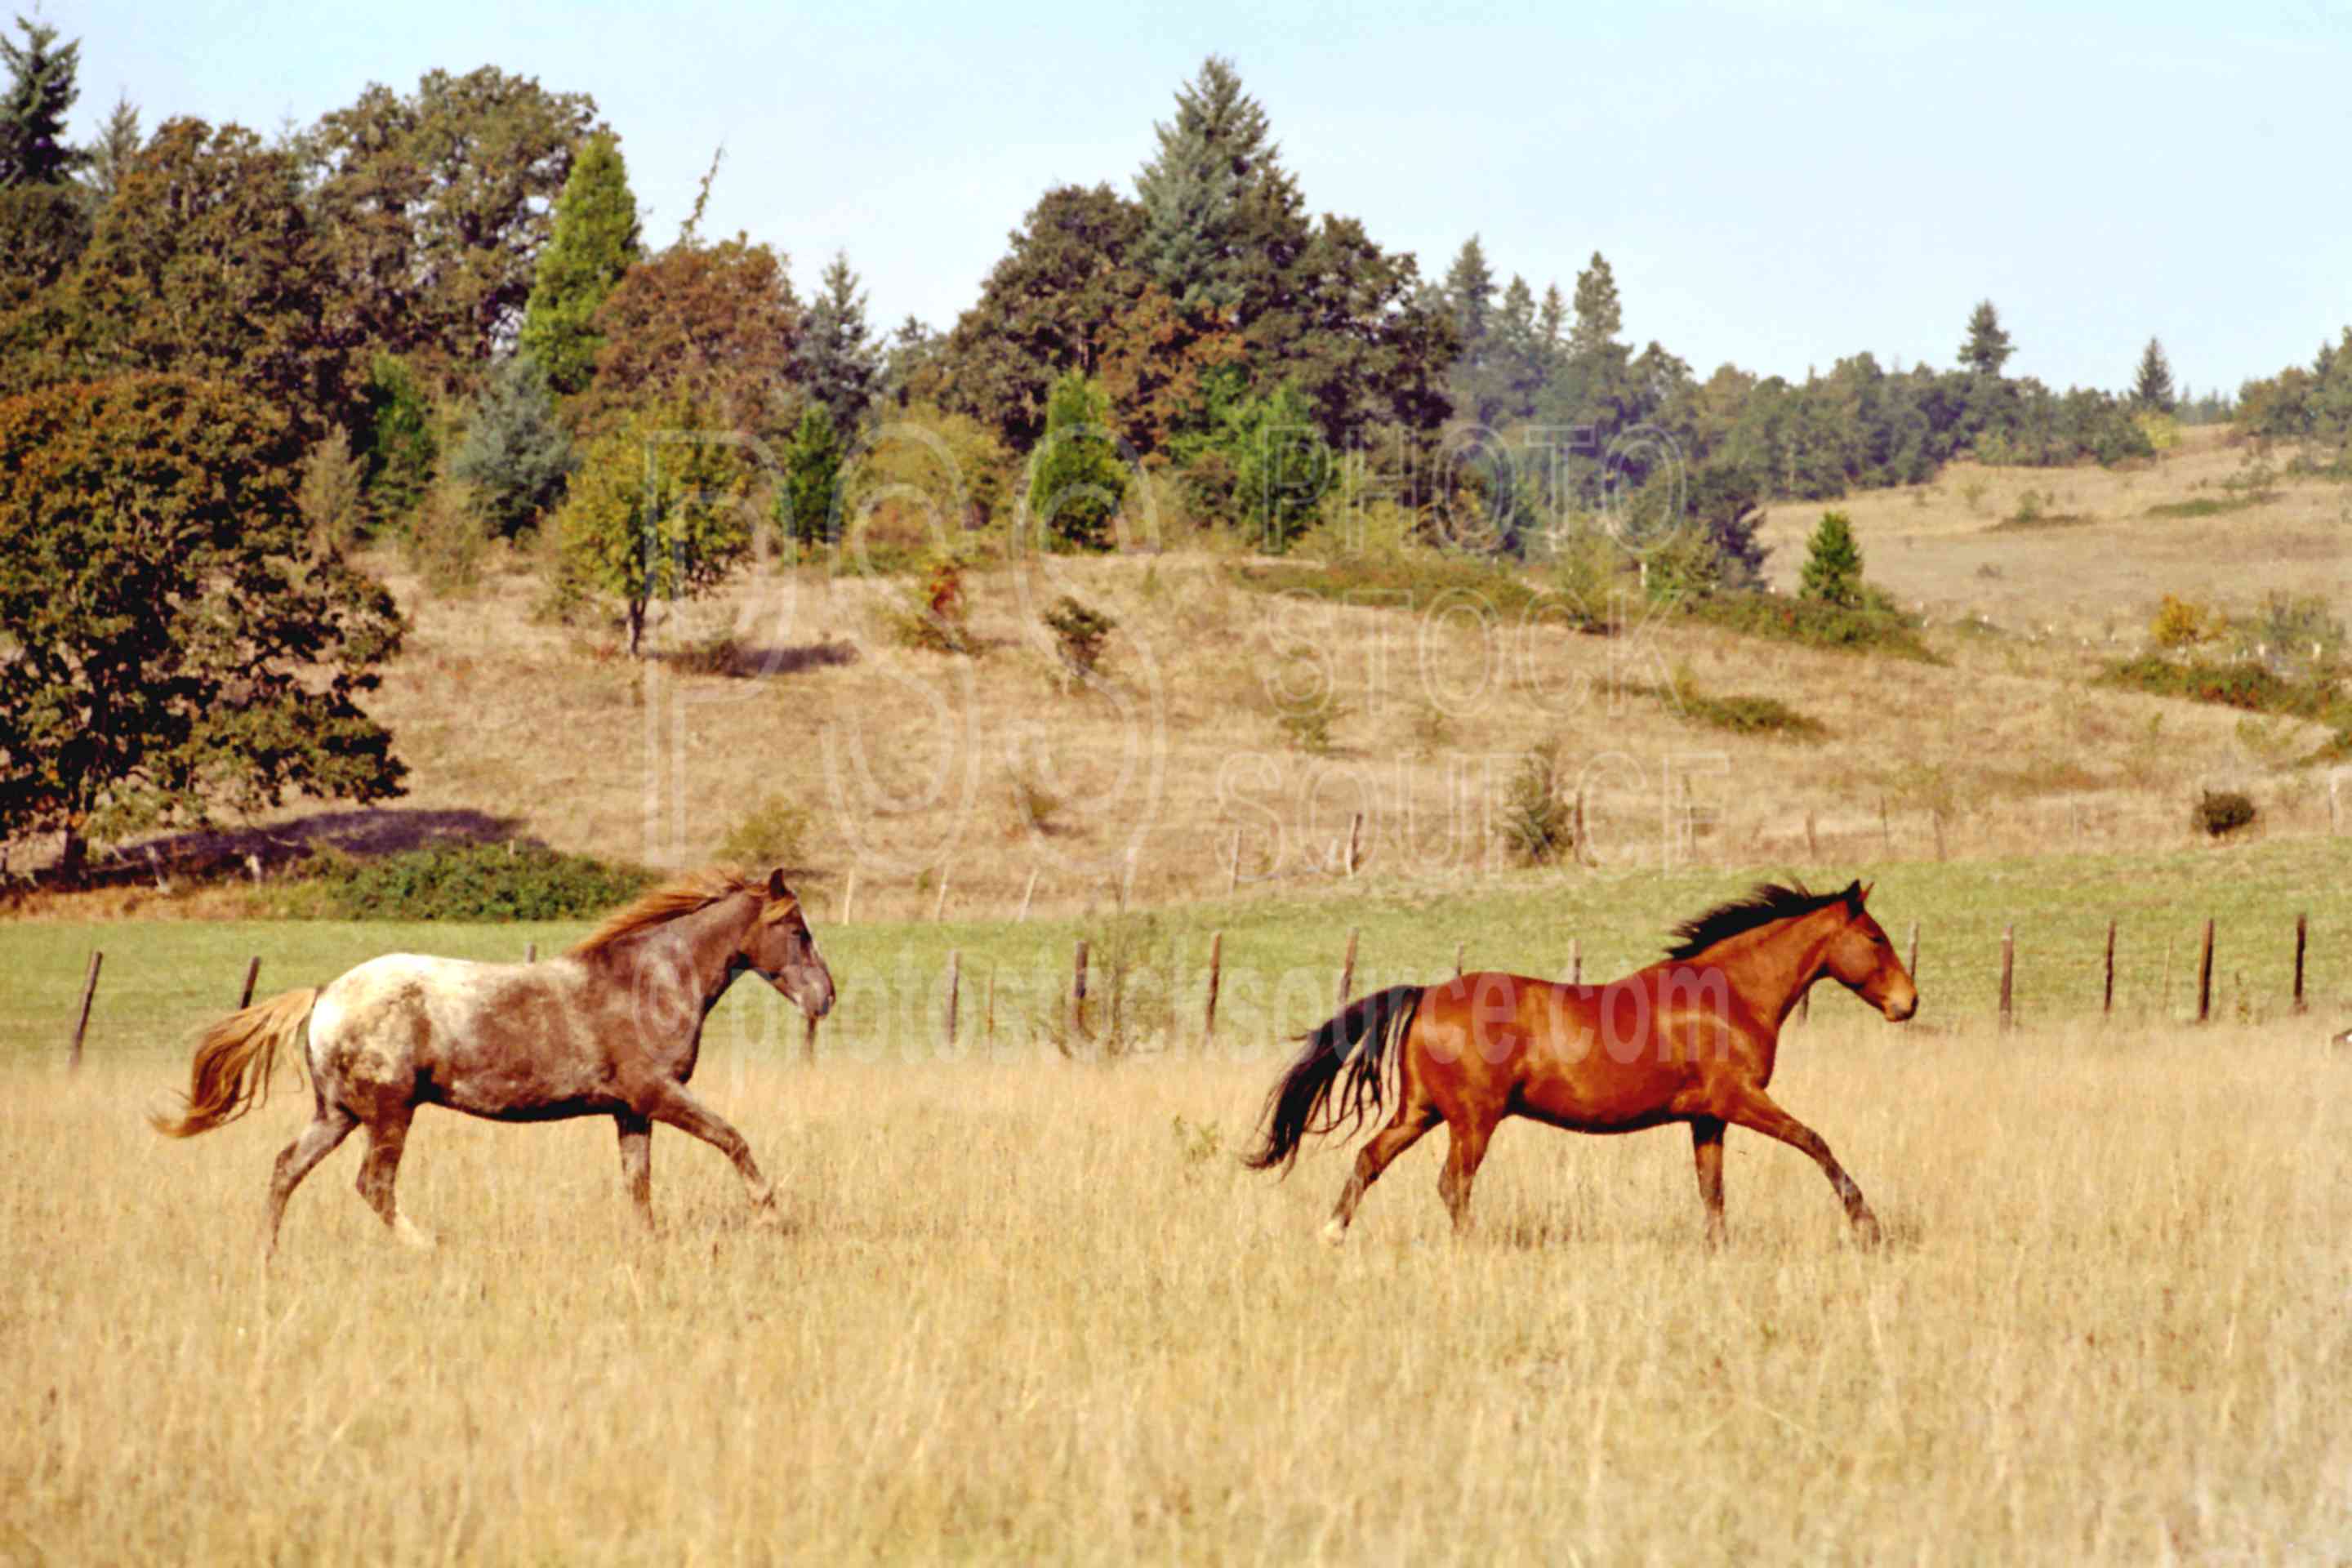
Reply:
x=231, y=1072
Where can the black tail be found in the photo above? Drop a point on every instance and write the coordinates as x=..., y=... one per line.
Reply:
x=1305, y=1094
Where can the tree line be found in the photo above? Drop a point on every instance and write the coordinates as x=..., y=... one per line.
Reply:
x=434, y=319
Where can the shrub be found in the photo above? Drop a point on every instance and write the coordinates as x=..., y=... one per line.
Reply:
x=1744, y=715
x=448, y=542
x=1309, y=730
x=774, y=833
x=2244, y=683
x=2184, y=622
x=1536, y=825
x=2220, y=812
x=511, y=881
x=1874, y=626
x=1079, y=633
x=940, y=621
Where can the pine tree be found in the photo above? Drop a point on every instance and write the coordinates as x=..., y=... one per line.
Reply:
x=1078, y=482
x=595, y=242
x=1832, y=570
x=1986, y=347
x=1214, y=158
x=41, y=90
x=1598, y=319
x=1470, y=296
x=2153, y=388
x=810, y=504
x=109, y=156
x=516, y=453
x=838, y=361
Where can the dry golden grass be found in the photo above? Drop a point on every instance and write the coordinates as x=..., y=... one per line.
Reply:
x=1020, y=1311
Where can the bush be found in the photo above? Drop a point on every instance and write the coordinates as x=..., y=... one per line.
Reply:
x=1874, y=627
x=2244, y=683
x=2219, y=812
x=1833, y=572
x=2184, y=622
x=774, y=833
x=507, y=881
x=1536, y=824
x=940, y=620
x=1079, y=633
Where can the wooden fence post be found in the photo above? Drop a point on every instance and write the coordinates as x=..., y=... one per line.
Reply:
x=253, y=974
x=2205, y=976
x=1078, y=993
x=1355, y=841
x=2107, y=998
x=940, y=905
x=2007, y=968
x=955, y=981
x=848, y=896
x=2300, y=923
x=988, y=1023
x=89, y=993
x=1457, y=961
x=1027, y=894
x=1216, y=966
x=1576, y=961
x=1347, y=971
x=1912, y=968
x=531, y=953
x=1233, y=872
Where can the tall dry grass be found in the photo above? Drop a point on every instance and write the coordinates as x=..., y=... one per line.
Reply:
x=1023, y=1310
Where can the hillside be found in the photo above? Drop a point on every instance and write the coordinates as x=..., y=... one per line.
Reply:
x=913, y=766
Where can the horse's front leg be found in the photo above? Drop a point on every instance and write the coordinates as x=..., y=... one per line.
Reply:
x=670, y=1104
x=638, y=1162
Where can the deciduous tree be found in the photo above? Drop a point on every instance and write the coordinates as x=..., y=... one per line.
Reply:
x=716, y=324
x=170, y=640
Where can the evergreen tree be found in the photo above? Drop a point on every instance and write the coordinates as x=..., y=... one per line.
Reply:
x=1470, y=295
x=109, y=156
x=2153, y=388
x=516, y=453
x=1986, y=347
x=1598, y=319
x=41, y=90
x=1196, y=191
x=1078, y=482
x=1281, y=467
x=1832, y=570
x=594, y=241
x=400, y=451
x=907, y=366
x=810, y=502
x=838, y=361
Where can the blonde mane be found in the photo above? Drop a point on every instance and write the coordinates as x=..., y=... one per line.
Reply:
x=695, y=890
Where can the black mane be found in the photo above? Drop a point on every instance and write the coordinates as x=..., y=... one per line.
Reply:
x=1768, y=903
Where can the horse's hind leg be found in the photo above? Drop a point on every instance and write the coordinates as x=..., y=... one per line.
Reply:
x=387, y=1136
x=670, y=1103
x=1466, y=1153
x=329, y=1127
x=638, y=1162
x=1413, y=1119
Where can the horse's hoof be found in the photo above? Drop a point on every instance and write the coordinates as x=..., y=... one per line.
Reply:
x=1867, y=1234
x=1333, y=1233
x=413, y=1236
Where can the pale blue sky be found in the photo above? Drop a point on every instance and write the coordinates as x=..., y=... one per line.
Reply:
x=1775, y=184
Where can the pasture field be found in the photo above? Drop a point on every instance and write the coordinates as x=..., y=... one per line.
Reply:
x=1026, y=1307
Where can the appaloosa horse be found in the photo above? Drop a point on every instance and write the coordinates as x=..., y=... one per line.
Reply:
x=612, y=1028
x=1688, y=1039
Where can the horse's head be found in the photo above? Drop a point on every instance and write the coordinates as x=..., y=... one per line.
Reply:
x=1861, y=959
x=782, y=951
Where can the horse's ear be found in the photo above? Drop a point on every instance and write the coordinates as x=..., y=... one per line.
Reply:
x=776, y=888
x=1855, y=895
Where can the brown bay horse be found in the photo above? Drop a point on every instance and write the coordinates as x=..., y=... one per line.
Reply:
x=1691, y=1039
x=611, y=1028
